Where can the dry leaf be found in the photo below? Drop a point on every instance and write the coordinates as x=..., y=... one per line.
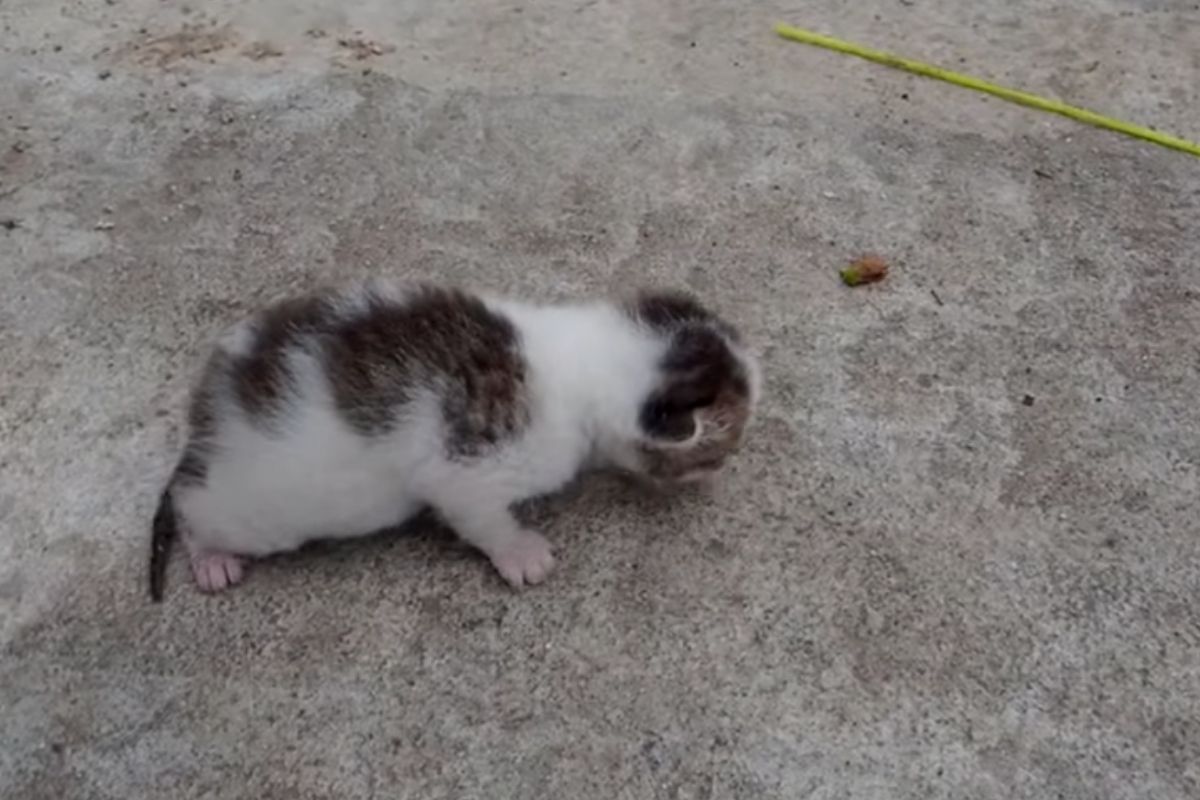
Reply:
x=868, y=269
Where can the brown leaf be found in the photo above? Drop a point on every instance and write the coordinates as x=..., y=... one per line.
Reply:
x=868, y=269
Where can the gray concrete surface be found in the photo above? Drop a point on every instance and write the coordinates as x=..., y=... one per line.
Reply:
x=959, y=558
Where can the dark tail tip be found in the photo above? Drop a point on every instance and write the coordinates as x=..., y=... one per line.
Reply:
x=163, y=532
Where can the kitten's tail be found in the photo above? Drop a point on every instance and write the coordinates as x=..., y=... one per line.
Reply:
x=164, y=531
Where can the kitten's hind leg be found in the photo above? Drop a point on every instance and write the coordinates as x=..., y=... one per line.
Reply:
x=520, y=555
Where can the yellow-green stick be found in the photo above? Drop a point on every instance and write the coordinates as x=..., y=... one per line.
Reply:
x=979, y=85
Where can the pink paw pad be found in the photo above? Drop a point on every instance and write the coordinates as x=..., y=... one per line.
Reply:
x=216, y=571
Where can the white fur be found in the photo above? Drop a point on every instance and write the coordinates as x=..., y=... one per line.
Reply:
x=588, y=369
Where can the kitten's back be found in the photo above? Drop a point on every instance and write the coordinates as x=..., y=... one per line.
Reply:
x=379, y=348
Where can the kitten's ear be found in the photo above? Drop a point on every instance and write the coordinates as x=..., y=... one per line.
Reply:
x=697, y=365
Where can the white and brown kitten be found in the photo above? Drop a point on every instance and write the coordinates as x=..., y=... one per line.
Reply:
x=345, y=412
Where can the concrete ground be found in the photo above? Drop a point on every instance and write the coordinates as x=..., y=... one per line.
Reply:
x=959, y=558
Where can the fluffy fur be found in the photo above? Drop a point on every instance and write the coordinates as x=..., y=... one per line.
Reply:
x=345, y=412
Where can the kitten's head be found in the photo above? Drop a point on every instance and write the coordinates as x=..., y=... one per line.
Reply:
x=707, y=385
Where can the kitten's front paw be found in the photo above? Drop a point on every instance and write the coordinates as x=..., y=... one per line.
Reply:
x=526, y=560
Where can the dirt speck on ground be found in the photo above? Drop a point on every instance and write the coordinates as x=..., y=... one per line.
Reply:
x=362, y=48
x=260, y=50
x=193, y=41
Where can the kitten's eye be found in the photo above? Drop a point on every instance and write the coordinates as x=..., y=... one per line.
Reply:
x=704, y=401
x=670, y=421
x=665, y=413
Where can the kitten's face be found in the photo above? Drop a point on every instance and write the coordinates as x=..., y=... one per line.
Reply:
x=694, y=419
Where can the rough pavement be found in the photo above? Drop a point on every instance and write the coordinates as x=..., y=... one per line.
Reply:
x=959, y=558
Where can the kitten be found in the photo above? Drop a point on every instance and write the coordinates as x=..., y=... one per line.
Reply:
x=345, y=412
